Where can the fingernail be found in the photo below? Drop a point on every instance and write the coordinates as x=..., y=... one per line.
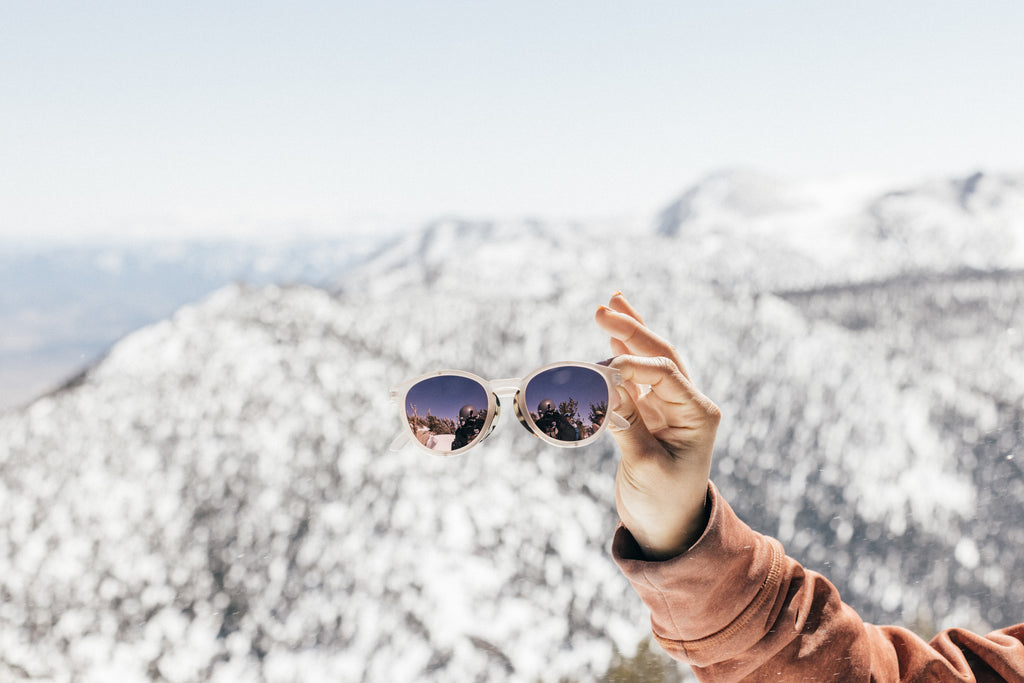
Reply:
x=602, y=307
x=618, y=292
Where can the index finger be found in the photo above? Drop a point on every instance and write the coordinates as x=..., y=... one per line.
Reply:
x=636, y=337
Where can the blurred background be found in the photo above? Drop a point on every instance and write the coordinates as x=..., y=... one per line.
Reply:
x=226, y=230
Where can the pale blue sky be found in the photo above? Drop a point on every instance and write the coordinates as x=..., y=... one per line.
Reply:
x=257, y=118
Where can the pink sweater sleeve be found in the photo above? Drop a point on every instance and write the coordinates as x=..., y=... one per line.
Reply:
x=735, y=607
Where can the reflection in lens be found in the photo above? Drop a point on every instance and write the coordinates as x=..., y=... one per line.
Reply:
x=568, y=403
x=446, y=412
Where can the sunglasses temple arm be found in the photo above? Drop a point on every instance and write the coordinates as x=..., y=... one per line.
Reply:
x=398, y=442
x=618, y=421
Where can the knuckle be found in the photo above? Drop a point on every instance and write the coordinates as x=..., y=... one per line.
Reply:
x=712, y=412
x=663, y=365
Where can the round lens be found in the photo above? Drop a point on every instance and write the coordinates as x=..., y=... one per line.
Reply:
x=447, y=412
x=568, y=403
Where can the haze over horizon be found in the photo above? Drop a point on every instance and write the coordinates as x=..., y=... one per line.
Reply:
x=130, y=121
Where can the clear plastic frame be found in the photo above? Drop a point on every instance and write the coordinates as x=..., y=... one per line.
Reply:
x=565, y=404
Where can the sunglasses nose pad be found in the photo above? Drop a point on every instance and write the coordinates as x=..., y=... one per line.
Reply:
x=494, y=420
x=519, y=414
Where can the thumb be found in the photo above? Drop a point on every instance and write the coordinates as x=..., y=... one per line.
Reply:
x=636, y=439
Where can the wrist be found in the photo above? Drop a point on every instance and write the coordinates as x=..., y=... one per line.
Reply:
x=669, y=543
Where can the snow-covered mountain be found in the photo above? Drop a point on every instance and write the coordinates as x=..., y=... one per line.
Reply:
x=61, y=307
x=525, y=258
x=215, y=499
x=800, y=234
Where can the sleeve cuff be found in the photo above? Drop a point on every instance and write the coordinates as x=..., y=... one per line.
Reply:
x=704, y=597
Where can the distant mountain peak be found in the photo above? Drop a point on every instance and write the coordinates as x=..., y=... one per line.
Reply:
x=743, y=193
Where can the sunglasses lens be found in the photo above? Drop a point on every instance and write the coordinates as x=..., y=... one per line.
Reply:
x=447, y=412
x=568, y=403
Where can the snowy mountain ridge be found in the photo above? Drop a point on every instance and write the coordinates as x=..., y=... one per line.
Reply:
x=771, y=232
x=61, y=307
x=856, y=230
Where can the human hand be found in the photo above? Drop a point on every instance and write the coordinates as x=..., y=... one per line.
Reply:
x=662, y=479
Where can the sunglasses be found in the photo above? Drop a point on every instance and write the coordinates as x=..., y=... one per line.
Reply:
x=565, y=404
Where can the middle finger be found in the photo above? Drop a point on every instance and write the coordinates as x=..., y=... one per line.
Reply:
x=636, y=338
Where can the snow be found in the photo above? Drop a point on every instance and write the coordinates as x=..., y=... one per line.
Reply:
x=966, y=553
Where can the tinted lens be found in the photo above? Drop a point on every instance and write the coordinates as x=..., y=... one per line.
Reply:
x=447, y=412
x=568, y=403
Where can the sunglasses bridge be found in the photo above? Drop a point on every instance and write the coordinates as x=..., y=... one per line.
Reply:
x=507, y=389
